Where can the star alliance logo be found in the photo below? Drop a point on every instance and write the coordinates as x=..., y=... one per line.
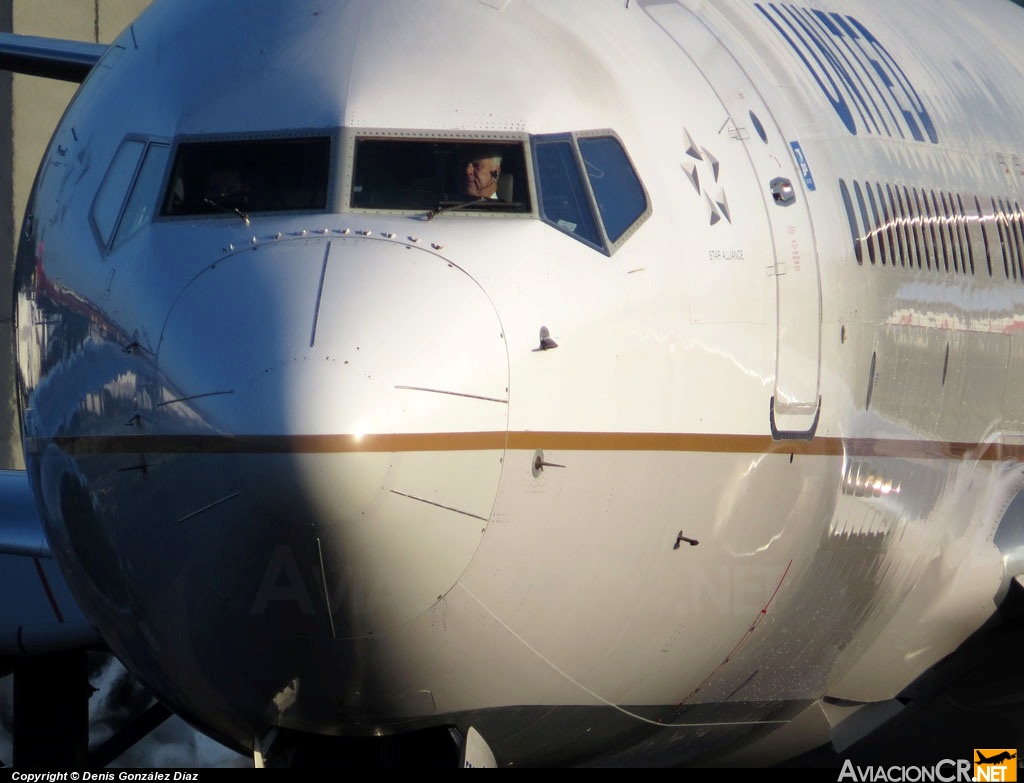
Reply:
x=703, y=170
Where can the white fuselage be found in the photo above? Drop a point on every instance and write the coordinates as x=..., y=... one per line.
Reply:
x=313, y=468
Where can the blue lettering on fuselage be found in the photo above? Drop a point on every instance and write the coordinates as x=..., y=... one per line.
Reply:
x=801, y=162
x=859, y=77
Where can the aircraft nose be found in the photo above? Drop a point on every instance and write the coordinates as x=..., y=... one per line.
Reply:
x=340, y=406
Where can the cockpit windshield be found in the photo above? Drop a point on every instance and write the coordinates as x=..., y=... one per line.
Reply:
x=582, y=183
x=439, y=175
x=245, y=176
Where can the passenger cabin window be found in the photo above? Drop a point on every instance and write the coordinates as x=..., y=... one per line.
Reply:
x=588, y=188
x=439, y=175
x=128, y=197
x=246, y=176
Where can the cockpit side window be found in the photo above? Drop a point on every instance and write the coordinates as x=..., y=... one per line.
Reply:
x=144, y=197
x=242, y=176
x=617, y=189
x=127, y=199
x=588, y=188
x=439, y=175
x=563, y=196
x=106, y=208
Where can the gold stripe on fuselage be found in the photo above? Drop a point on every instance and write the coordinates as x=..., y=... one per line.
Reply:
x=564, y=441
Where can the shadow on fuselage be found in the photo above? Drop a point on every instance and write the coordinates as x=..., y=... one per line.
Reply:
x=972, y=699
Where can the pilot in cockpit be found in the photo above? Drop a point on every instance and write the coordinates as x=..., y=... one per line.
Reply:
x=226, y=188
x=480, y=173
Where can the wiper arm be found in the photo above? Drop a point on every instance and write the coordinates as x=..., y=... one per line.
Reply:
x=230, y=210
x=452, y=206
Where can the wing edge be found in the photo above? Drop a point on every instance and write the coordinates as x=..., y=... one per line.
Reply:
x=50, y=58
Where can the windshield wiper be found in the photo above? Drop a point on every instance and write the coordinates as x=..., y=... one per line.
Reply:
x=230, y=210
x=452, y=206
x=493, y=204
